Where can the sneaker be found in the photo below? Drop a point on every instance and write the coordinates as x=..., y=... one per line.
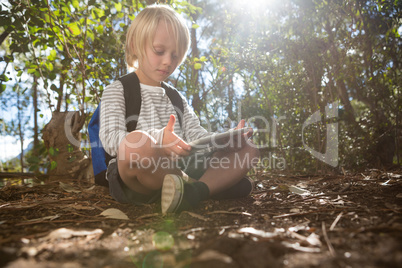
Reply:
x=179, y=195
x=242, y=189
x=172, y=193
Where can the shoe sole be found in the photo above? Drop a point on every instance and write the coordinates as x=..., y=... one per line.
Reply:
x=172, y=193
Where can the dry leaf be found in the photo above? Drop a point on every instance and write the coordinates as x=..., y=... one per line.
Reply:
x=295, y=210
x=64, y=233
x=68, y=188
x=114, y=213
x=296, y=246
x=297, y=190
x=260, y=233
x=314, y=240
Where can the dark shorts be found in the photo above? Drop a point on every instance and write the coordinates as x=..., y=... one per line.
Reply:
x=194, y=166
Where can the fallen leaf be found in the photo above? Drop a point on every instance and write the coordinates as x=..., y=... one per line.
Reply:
x=89, y=189
x=114, y=213
x=299, y=191
x=295, y=210
x=283, y=187
x=64, y=233
x=395, y=176
x=296, y=246
x=260, y=233
x=314, y=240
x=68, y=188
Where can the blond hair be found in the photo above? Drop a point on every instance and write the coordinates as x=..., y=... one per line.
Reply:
x=142, y=31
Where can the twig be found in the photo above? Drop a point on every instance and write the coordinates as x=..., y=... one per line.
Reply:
x=146, y=216
x=335, y=221
x=63, y=221
x=230, y=212
x=327, y=194
x=330, y=247
x=195, y=215
x=304, y=213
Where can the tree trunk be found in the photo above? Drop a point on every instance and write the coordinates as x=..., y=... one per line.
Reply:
x=20, y=127
x=36, y=110
x=62, y=139
x=196, y=100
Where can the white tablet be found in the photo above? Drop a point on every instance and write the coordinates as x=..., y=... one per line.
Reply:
x=218, y=140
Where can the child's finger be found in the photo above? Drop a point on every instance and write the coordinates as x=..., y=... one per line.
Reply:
x=241, y=124
x=249, y=133
x=170, y=124
x=176, y=151
x=184, y=145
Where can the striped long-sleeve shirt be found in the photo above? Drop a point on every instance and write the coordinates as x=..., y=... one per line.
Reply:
x=153, y=118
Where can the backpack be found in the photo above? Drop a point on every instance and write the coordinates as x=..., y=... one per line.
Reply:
x=132, y=98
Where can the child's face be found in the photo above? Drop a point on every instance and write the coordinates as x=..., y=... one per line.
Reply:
x=160, y=58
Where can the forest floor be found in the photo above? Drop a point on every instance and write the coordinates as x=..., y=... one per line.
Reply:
x=348, y=220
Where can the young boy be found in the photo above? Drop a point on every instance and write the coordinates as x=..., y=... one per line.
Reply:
x=145, y=170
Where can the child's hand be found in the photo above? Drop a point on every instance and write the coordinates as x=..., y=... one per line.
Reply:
x=241, y=124
x=237, y=143
x=172, y=144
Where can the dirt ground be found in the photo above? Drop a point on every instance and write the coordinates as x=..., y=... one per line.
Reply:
x=347, y=220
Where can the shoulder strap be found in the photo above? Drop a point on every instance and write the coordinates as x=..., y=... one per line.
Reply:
x=132, y=97
x=176, y=100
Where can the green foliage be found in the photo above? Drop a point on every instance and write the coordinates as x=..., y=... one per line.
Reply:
x=276, y=63
x=37, y=158
x=289, y=59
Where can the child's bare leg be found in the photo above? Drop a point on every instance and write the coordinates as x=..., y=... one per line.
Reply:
x=140, y=163
x=233, y=166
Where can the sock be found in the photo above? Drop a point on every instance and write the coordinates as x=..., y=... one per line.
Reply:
x=241, y=189
x=194, y=193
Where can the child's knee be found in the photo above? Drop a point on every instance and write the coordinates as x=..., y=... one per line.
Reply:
x=253, y=151
x=138, y=139
x=134, y=144
x=252, y=154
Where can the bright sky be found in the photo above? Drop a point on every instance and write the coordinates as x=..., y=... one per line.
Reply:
x=10, y=147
